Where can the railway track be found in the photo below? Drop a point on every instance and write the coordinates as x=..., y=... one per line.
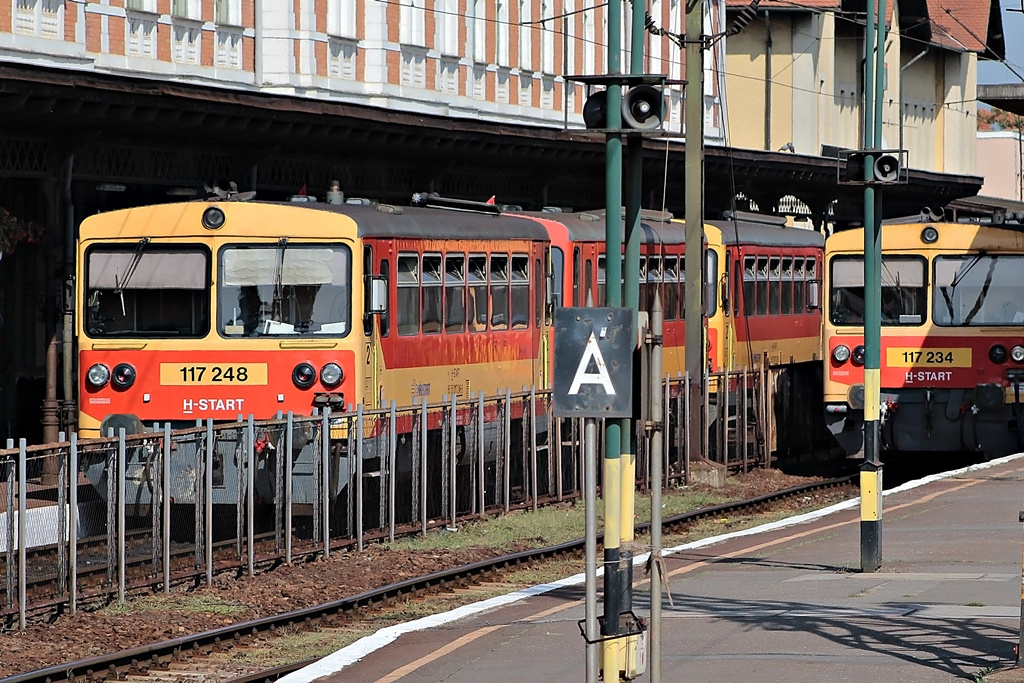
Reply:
x=168, y=660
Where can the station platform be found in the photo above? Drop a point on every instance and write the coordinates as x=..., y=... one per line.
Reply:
x=781, y=603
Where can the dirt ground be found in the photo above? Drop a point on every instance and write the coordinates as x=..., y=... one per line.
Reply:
x=286, y=588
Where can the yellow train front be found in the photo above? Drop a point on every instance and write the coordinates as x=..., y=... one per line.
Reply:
x=952, y=352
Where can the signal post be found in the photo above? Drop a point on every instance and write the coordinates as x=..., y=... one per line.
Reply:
x=873, y=168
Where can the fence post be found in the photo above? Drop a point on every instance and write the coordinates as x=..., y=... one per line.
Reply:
x=533, y=443
x=325, y=480
x=208, y=501
x=250, y=496
x=62, y=518
x=22, y=511
x=288, y=446
x=359, y=477
x=508, y=448
x=165, y=506
x=423, y=467
x=392, y=457
x=73, y=523
x=121, y=482
x=452, y=463
x=481, y=487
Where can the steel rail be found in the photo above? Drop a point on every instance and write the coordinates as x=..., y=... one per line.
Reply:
x=139, y=660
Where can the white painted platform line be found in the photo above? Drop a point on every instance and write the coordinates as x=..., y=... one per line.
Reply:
x=347, y=656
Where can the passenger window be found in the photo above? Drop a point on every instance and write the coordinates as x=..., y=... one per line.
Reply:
x=520, y=291
x=499, y=291
x=671, y=278
x=476, y=278
x=455, y=293
x=408, y=295
x=775, y=286
x=602, y=276
x=798, y=286
x=762, y=286
x=749, y=285
x=432, y=286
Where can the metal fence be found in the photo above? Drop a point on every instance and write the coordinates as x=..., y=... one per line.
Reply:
x=95, y=519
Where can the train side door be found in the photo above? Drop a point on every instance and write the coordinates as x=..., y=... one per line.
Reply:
x=542, y=359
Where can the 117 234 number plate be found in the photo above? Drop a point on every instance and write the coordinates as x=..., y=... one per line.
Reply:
x=197, y=374
x=900, y=357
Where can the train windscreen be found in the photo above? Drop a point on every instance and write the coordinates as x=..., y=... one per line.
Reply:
x=145, y=290
x=284, y=290
x=904, y=291
x=978, y=289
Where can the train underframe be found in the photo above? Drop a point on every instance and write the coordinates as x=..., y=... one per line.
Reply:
x=977, y=420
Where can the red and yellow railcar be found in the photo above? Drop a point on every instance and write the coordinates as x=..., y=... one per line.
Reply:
x=952, y=353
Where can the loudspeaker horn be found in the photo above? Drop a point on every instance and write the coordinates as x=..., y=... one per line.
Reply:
x=643, y=108
x=595, y=113
x=887, y=169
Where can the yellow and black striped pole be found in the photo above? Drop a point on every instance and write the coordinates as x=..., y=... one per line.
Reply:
x=871, y=471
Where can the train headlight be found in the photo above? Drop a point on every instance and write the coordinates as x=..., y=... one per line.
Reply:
x=858, y=354
x=124, y=376
x=213, y=218
x=1017, y=354
x=331, y=375
x=930, y=235
x=304, y=375
x=841, y=353
x=997, y=354
x=98, y=375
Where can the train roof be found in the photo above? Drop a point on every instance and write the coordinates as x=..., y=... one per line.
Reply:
x=766, y=231
x=386, y=220
x=371, y=220
x=659, y=228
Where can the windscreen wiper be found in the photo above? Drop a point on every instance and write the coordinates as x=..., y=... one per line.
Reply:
x=129, y=271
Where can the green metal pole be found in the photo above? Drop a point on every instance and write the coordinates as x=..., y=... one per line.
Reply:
x=871, y=485
x=611, y=649
x=631, y=300
x=695, y=353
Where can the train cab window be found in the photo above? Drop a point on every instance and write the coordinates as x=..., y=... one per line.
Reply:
x=799, y=290
x=499, y=291
x=285, y=290
x=433, y=282
x=558, y=275
x=979, y=289
x=786, y=284
x=903, y=290
x=774, y=285
x=761, y=305
x=520, y=291
x=455, y=293
x=385, y=317
x=540, y=293
x=749, y=285
x=577, y=274
x=650, y=284
x=644, y=302
x=602, y=277
x=711, y=273
x=408, y=281
x=670, y=277
x=147, y=291
x=904, y=295
x=588, y=284
x=476, y=278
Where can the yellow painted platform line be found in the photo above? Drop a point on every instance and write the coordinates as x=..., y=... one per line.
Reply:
x=437, y=654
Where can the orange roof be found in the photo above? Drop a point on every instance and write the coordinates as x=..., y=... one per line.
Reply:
x=961, y=25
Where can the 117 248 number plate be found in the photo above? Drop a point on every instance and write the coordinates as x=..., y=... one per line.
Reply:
x=900, y=357
x=182, y=374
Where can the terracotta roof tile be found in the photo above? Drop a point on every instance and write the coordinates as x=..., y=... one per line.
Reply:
x=961, y=25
